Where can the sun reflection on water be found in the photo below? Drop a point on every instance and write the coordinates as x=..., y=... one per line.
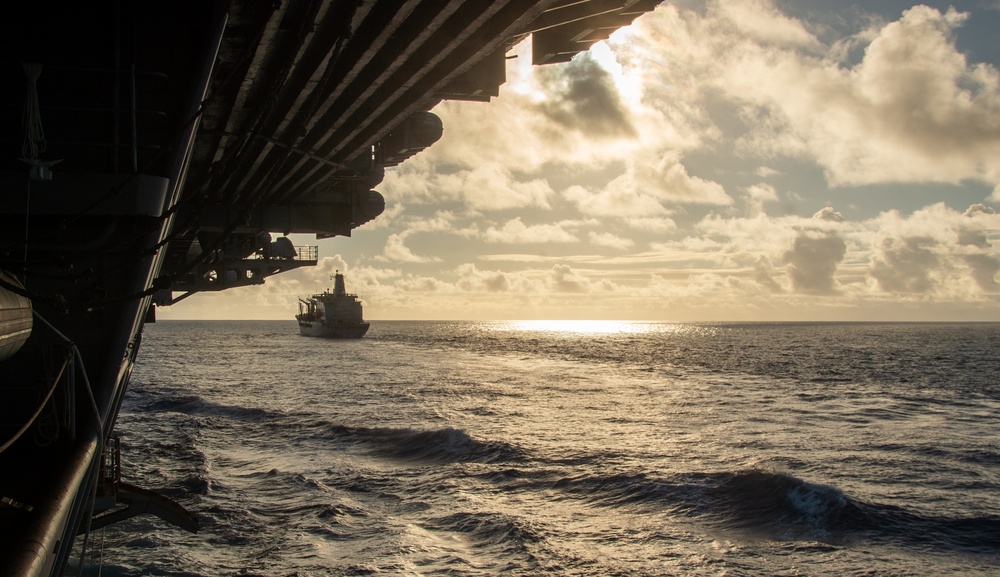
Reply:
x=583, y=326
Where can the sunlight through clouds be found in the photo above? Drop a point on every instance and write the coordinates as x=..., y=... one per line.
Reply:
x=717, y=160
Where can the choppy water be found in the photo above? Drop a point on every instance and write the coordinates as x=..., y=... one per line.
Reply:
x=531, y=449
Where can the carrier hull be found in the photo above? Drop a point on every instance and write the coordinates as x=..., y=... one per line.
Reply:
x=149, y=151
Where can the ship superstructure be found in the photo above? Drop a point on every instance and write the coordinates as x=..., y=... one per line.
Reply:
x=148, y=152
x=332, y=315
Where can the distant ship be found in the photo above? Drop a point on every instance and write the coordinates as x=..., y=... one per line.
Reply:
x=336, y=315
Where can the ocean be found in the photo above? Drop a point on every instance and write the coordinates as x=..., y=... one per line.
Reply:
x=546, y=448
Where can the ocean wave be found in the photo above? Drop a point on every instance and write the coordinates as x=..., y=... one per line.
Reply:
x=774, y=505
x=196, y=405
x=620, y=490
x=446, y=445
x=979, y=534
x=777, y=505
x=488, y=529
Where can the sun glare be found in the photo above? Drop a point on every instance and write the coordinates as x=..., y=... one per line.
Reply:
x=627, y=82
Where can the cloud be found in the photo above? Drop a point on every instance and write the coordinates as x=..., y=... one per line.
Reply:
x=810, y=250
x=936, y=251
x=659, y=225
x=905, y=265
x=763, y=22
x=563, y=279
x=516, y=232
x=487, y=187
x=812, y=263
x=757, y=195
x=581, y=96
x=615, y=202
x=764, y=274
x=983, y=269
x=912, y=110
x=421, y=284
x=396, y=250
x=471, y=279
x=648, y=184
x=664, y=177
x=610, y=240
x=977, y=209
x=760, y=234
x=441, y=221
x=568, y=114
x=644, y=171
x=827, y=214
x=325, y=267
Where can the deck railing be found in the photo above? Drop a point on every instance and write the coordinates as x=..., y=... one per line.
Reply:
x=307, y=253
x=302, y=253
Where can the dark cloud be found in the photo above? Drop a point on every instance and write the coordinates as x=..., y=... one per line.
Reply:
x=984, y=271
x=978, y=209
x=904, y=265
x=583, y=97
x=984, y=267
x=496, y=282
x=974, y=235
x=812, y=263
x=763, y=274
x=564, y=279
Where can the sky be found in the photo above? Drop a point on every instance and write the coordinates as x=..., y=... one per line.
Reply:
x=736, y=160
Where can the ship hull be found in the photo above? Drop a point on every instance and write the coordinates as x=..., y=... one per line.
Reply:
x=333, y=331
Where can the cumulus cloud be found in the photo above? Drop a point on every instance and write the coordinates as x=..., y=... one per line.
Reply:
x=670, y=137
x=516, y=232
x=326, y=267
x=763, y=22
x=935, y=251
x=809, y=251
x=610, y=240
x=472, y=279
x=569, y=114
x=659, y=225
x=581, y=96
x=396, y=250
x=441, y=221
x=983, y=269
x=812, y=263
x=564, y=279
x=664, y=177
x=616, y=202
x=760, y=234
x=486, y=187
x=648, y=184
x=764, y=274
x=905, y=265
x=971, y=232
x=978, y=209
x=827, y=214
x=912, y=110
x=758, y=195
